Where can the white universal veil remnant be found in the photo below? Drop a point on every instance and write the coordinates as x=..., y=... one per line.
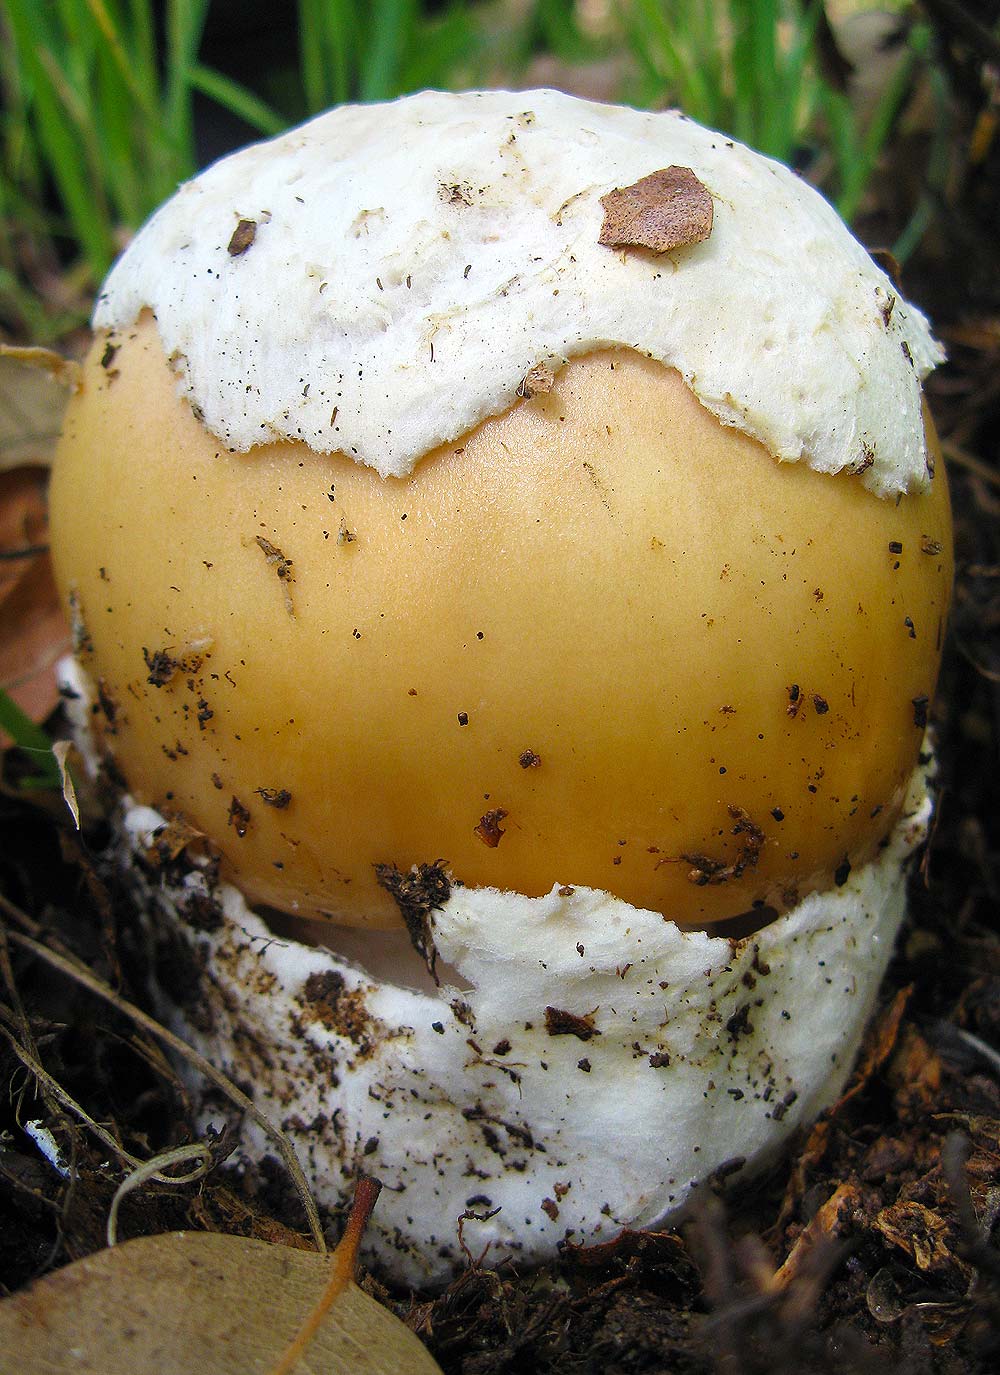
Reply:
x=514, y=519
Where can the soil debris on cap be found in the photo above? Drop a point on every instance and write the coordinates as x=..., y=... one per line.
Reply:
x=489, y=830
x=558, y=1022
x=238, y=817
x=417, y=893
x=282, y=566
x=668, y=209
x=161, y=664
x=707, y=870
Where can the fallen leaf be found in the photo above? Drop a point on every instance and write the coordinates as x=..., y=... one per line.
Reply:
x=34, y=387
x=806, y=1161
x=33, y=631
x=61, y=750
x=914, y=1074
x=171, y=841
x=668, y=209
x=916, y=1230
x=197, y=1303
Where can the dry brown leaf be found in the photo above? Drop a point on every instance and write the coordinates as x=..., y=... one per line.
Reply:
x=61, y=750
x=33, y=632
x=194, y=1303
x=914, y=1073
x=668, y=209
x=34, y=386
x=917, y=1231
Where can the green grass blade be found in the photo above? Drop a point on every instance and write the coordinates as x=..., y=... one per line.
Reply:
x=62, y=129
x=31, y=740
x=185, y=24
x=237, y=99
x=391, y=23
x=115, y=50
x=442, y=48
x=312, y=58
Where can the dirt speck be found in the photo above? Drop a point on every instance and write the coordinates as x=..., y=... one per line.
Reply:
x=238, y=817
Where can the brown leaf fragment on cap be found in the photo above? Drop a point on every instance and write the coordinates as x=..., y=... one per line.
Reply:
x=536, y=381
x=243, y=236
x=489, y=830
x=561, y=1023
x=668, y=209
x=171, y=841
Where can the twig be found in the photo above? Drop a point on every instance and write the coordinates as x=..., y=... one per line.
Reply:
x=342, y=1266
x=975, y=1043
x=963, y=459
x=74, y=969
x=55, y=1089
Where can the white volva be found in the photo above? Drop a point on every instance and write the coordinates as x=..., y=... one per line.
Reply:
x=389, y=320
x=691, y=1053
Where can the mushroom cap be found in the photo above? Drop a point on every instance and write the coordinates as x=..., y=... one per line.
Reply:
x=380, y=280
x=603, y=640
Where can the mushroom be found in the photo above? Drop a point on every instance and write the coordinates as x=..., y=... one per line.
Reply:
x=513, y=519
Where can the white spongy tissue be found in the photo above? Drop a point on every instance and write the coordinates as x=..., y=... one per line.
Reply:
x=405, y=265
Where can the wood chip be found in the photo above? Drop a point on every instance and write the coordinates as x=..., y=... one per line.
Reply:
x=668, y=209
x=830, y=1221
